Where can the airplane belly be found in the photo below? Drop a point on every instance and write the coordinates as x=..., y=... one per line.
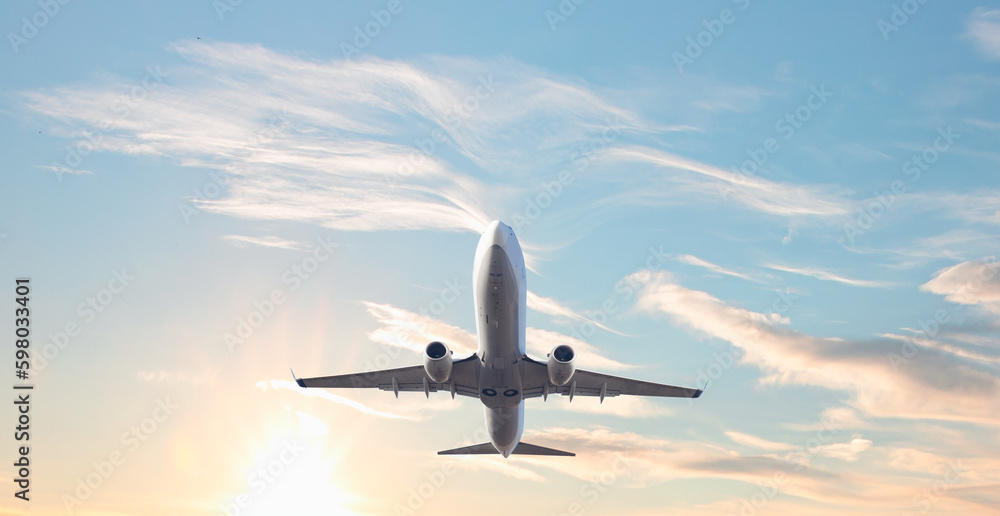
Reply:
x=500, y=384
x=497, y=304
x=498, y=313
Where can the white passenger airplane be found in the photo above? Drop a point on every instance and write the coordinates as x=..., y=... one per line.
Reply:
x=500, y=374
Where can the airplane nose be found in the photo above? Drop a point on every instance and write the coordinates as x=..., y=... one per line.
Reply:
x=497, y=233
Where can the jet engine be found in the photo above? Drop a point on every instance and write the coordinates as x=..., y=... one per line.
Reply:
x=437, y=362
x=561, y=366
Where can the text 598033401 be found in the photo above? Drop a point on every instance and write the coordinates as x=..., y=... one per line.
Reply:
x=22, y=399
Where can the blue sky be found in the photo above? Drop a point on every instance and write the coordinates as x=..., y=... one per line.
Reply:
x=799, y=203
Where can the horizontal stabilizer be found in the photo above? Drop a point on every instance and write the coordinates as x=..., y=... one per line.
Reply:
x=521, y=449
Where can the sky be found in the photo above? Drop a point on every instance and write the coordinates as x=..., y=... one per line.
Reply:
x=795, y=203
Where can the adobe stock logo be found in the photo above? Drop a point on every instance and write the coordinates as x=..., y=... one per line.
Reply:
x=372, y=29
x=900, y=15
x=29, y=27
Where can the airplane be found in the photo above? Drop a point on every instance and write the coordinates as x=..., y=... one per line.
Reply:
x=500, y=374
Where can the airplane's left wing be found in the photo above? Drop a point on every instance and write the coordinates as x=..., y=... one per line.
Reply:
x=464, y=380
x=588, y=383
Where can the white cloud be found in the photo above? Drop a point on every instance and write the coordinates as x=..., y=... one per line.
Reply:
x=960, y=244
x=979, y=207
x=289, y=385
x=65, y=170
x=757, y=442
x=267, y=241
x=348, y=144
x=885, y=378
x=633, y=460
x=753, y=192
x=848, y=451
x=976, y=235
x=509, y=468
x=409, y=330
x=969, y=283
x=827, y=276
x=550, y=306
x=991, y=357
x=983, y=28
x=369, y=144
x=540, y=343
x=698, y=262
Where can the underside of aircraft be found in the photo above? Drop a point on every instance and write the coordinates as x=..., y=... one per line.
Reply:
x=500, y=374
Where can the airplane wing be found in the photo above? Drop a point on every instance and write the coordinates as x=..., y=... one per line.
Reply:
x=587, y=383
x=464, y=380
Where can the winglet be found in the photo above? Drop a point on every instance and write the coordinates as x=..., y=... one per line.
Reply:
x=298, y=381
x=701, y=391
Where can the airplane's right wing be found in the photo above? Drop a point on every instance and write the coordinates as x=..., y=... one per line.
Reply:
x=588, y=383
x=464, y=380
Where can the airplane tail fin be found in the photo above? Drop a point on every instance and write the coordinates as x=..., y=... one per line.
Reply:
x=520, y=449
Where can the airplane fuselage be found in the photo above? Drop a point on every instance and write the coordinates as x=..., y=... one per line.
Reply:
x=500, y=295
x=500, y=374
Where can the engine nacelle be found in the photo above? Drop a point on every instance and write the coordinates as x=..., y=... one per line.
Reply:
x=437, y=362
x=561, y=365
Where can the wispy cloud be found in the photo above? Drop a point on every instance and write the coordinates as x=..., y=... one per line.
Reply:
x=165, y=376
x=540, y=342
x=267, y=241
x=413, y=331
x=289, y=385
x=979, y=207
x=969, y=283
x=832, y=418
x=988, y=356
x=757, y=442
x=926, y=385
x=712, y=183
x=782, y=474
x=65, y=170
x=983, y=28
x=718, y=269
x=960, y=244
x=827, y=276
x=349, y=144
x=983, y=124
x=620, y=406
x=508, y=468
x=847, y=451
x=550, y=306
x=641, y=461
x=862, y=152
x=371, y=144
